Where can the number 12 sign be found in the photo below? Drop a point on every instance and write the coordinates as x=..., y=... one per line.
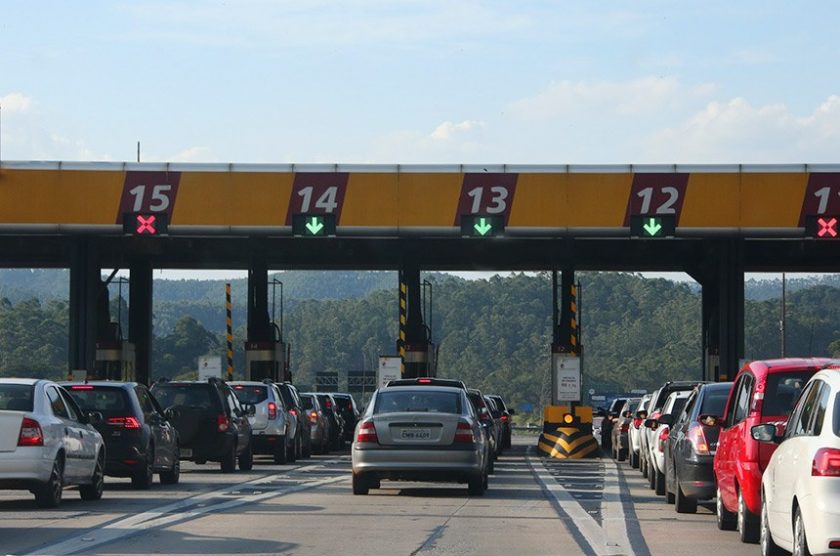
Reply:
x=657, y=195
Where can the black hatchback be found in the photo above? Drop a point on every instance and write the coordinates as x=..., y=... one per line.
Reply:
x=212, y=425
x=139, y=440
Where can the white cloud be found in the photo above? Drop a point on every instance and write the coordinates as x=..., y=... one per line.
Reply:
x=599, y=98
x=193, y=154
x=737, y=131
x=447, y=129
x=15, y=102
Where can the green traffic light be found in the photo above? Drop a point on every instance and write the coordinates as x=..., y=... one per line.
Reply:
x=315, y=225
x=482, y=226
x=652, y=227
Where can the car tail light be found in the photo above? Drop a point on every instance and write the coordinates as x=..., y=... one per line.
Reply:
x=637, y=423
x=663, y=438
x=367, y=433
x=30, y=433
x=272, y=411
x=293, y=411
x=313, y=417
x=834, y=544
x=625, y=427
x=826, y=463
x=464, y=434
x=329, y=404
x=82, y=387
x=124, y=422
x=757, y=403
x=222, y=423
x=698, y=440
x=424, y=381
x=504, y=417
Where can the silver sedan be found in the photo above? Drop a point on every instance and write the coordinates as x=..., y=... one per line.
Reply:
x=422, y=433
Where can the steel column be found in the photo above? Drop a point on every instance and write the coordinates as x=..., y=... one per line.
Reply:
x=140, y=318
x=416, y=357
x=731, y=307
x=259, y=323
x=85, y=283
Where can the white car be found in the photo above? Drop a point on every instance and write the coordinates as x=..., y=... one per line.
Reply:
x=800, y=489
x=46, y=442
x=272, y=427
x=635, y=433
x=674, y=404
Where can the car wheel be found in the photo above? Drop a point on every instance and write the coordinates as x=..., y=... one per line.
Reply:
x=768, y=547
x=93, y=491
x=643, y=466
x=246, y=458
x=281, y=451
x=725, y=519
x=682, y=503
x=748, y=527
x=293, y=450
x=228, y=463
x=800, y=542
x=659, y=482
x=491, y=467
x=634, y=460
x=360, y=484
x=651, y=475
x=48, y=495
x=172, y=476
x=476, y=485
x=144, y=477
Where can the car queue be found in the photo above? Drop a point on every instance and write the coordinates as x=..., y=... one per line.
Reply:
x=764, y=448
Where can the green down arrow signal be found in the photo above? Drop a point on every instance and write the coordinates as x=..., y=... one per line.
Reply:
x=482, y=227
x=652, y=227
x=314, y=225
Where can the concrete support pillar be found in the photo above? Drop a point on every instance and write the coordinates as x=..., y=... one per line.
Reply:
x=141, y=294
x=259, y=323
x=416, y=347
x=731, y=307
x=85, y=283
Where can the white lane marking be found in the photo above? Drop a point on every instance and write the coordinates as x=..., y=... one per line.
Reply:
x=604, y=541
x=612, y=510
x=169, y=513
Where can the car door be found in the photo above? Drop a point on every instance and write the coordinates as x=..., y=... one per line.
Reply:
x=240, y=419
x=677, y=448
x=731, y=443
x=160, y=429
x=73, y=435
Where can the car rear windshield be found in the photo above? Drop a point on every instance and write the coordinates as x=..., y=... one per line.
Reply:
x=185, y=395
x=714, y=400
x=420, y=401
x=782, y=390
x=307, y=402
x=837, y=415
x=343, y=403
x=16, y=397
x=500, y=402
x=250, y=394
x=288, y=398
x=105, y=399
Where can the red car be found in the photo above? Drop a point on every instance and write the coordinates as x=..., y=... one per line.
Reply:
x=763, y=392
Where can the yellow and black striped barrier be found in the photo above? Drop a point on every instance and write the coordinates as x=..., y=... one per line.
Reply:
x=567, y=433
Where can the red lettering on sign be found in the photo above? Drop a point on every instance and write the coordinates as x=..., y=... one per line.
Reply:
x=318, y=193
x=486, y=194
x=822, y=196
x=656, y=194
x=149, y=192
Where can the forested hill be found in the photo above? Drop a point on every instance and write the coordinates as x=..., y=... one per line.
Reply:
x=494, y=333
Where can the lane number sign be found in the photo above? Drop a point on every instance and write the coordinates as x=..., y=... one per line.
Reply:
x=656, y=195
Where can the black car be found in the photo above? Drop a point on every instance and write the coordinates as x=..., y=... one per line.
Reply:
x=690, y=450
x=291, y=398
x=349, y=412
x=139, y=440
x=333, y=414
x=609, y=414
x=212, y=425
x=620, y=441
x=506, y=419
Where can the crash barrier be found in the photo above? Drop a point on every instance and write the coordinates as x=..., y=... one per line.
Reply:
x=567, y=433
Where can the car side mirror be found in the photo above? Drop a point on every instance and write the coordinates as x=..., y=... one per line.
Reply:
x=94, y=417
x=666, y=419
x=765, y=433
x=710, y=420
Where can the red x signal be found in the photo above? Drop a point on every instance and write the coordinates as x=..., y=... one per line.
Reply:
x=146, y=225
x=828, y=228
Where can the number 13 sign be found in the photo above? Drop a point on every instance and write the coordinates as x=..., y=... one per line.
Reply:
x=490, y=194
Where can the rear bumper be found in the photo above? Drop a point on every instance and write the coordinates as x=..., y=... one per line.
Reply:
x=697, y=478
x=123, y=458
x=214, y=450
x=24, y=468
x=821, y=515
x=267, y=443
x=445, y=465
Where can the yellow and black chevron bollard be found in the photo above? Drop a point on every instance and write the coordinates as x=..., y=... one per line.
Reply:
x=567, y=434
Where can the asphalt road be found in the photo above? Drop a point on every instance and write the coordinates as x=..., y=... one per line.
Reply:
x=533, y=506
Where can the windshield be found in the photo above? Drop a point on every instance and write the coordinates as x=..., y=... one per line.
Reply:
x=16, y=397
x=423, y=401
x=782, y=390
x=250, y=394
x=184, y=395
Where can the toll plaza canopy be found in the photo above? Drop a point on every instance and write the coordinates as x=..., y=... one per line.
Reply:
x=773, y=201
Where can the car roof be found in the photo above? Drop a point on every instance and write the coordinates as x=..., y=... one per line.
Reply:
x=30, y=381
x=830, y=375
x=787, y=364
x=428, y=380
x=112, y=383
x=250, y=383
x=422, y=388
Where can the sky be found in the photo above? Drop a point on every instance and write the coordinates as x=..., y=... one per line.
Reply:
x=410, y=81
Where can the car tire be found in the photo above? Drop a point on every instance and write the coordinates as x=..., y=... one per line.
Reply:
x=143, y=478
x=228, y=463
x=246, y=458
x=48, y=495
x=643, y=466
x=360, y=484
x=651, y=475
x=765, y=539
x=748, y=523
x=172, y=476
x=725, y=519
x=307, y=448
x=800, y=541
x=94, y=490
x=634, y=460
x=476, y=485
x=659, y=482
x=683, y=504
x=281, y=451
x=491, y=467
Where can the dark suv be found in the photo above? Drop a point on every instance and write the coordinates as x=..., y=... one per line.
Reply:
x=212, y=424
x=139, y=441
x=349, y=412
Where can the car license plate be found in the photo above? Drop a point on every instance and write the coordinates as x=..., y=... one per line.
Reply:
x=416, y=434
x=186, y=452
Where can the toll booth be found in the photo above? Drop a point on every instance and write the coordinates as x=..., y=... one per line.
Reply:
x=267, y=360
x=114, y=361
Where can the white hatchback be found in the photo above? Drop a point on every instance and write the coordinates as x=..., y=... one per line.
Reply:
x=800, y=489
x=47, y=442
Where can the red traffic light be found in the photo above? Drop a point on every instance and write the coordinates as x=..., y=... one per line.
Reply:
x=145, y=224
x=823, y=227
